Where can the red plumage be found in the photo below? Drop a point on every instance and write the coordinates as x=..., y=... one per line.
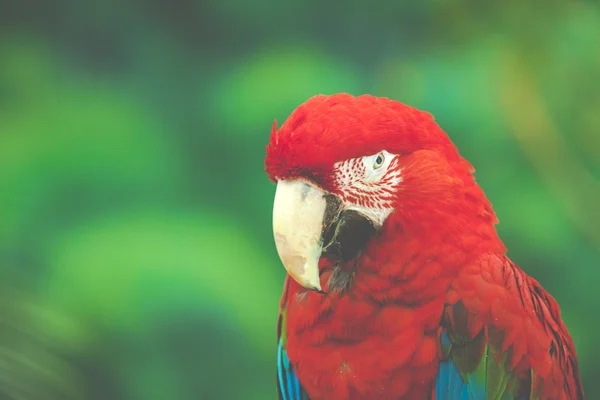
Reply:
x=436, y=263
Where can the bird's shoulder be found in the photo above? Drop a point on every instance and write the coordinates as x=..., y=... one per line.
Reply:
x=494, y=307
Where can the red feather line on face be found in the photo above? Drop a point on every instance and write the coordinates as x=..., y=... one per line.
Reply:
x=379, y=194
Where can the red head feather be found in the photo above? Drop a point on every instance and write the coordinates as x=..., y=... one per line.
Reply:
x=328, y=129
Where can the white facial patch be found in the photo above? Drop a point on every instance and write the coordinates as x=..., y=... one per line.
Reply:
x=368, y=184
x=372, y=174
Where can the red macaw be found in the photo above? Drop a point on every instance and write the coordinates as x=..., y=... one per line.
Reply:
x=398, y=285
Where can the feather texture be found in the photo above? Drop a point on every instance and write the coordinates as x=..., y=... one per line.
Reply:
x=473, y=371
x=288, y=385
x=501, y=353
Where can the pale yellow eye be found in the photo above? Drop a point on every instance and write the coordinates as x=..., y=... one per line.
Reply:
x=379, y=160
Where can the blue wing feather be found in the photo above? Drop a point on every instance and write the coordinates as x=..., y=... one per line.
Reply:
x=288, y=384
x=470, y=383
x=450, y=385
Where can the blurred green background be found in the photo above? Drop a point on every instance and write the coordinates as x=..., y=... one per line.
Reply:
x=136, y=249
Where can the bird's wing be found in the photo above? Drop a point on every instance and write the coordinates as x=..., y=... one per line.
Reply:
x=502, y=338
x=288, y=385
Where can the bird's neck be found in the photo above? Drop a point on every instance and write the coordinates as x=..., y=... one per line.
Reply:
x=418, y=252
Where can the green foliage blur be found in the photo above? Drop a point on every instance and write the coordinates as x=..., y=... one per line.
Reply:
x=136, y=251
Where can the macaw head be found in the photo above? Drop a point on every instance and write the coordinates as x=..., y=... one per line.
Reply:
x=347, y=166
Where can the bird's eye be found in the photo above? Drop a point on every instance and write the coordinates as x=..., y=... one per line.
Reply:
x=379, y=161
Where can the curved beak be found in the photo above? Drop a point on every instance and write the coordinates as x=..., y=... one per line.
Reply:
x=300, y=215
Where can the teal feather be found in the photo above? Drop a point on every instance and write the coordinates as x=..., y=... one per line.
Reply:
x=473, y=368
x=288, y=385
